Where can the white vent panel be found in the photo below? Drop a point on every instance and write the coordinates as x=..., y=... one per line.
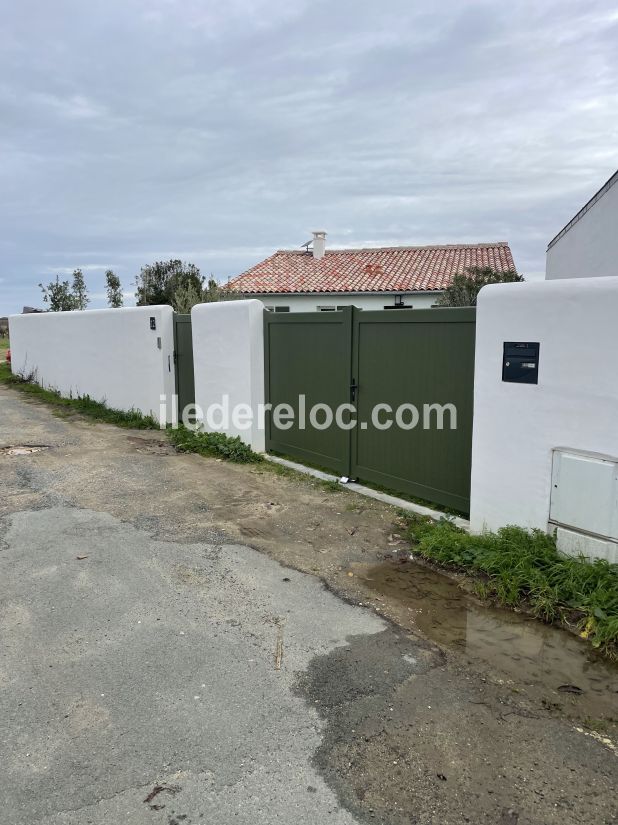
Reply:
x=584, y=493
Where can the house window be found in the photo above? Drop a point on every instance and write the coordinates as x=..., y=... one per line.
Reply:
x=330, y=309
x=278, y=309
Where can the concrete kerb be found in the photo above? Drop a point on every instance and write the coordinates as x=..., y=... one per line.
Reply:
x=385, y=498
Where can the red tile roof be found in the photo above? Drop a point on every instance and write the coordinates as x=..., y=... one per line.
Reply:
x=386, y=269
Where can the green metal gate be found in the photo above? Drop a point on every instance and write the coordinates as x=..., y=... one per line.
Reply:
x=183, y=361
x=418, y=357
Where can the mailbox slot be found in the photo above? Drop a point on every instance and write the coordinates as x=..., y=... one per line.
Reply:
x=520, y=362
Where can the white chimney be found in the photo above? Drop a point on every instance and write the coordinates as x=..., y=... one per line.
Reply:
x=319, y=244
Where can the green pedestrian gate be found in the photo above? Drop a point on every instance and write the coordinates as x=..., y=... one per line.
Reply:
x=417, y=364
x=183, y=362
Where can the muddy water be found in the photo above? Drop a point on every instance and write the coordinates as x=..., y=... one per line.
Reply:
x=517, y=647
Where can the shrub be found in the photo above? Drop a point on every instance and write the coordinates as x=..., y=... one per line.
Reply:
x=464, y=288
x=213, y=444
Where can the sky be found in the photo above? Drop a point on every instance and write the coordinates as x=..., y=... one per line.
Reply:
x=217, y=132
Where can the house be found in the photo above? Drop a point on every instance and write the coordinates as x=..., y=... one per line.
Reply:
x=395, y=277
x=587, y=247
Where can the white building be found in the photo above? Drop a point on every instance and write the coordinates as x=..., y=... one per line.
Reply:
x=398, y=277
x=587, y=247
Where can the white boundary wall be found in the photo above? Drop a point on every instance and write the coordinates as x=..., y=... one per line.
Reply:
x=574, y=405
x=228, y=362
x=112, y=355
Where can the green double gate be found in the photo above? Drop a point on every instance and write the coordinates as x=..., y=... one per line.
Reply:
x=409, y=360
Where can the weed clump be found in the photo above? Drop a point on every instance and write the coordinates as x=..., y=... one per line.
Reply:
x=213, y=444
x=517, y=567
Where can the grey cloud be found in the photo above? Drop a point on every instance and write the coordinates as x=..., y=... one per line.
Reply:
x=219, y=132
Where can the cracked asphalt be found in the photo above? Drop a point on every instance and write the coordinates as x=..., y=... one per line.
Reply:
x=157, y=670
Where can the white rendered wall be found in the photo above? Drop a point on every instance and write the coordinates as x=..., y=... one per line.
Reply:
x=574, y=405
x=589, y=249
x=228, y=360
x=310, y=303
x=111, y=355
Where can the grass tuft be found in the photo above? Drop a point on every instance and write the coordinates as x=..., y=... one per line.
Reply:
x=213, y=444
x=517, y=567
x=330, y=486
x=97, y=410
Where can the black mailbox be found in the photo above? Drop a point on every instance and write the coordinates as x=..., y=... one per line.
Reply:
x=520, y=364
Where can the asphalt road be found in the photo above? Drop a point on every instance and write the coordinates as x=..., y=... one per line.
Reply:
x=156, y=671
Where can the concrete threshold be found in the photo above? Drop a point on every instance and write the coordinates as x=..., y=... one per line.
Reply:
x=385, y=498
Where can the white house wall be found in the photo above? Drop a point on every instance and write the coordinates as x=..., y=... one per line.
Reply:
x=310, y=303
x=589, y=249
x=111, y=355
x=228, y=363
x=573, y=406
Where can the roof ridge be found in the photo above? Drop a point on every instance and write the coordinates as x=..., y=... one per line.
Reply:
x=482, y=245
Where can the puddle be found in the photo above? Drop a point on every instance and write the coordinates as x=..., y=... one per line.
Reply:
x=25, y=449
x=517, y=647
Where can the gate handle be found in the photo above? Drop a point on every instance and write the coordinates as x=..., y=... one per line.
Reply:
x=353, y=389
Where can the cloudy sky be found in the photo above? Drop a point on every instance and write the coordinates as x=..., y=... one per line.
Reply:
x=137, y=130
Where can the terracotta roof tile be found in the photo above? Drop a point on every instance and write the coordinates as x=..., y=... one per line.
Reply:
x=390, y=269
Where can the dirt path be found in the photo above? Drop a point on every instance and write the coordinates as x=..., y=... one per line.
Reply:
x=408, y=731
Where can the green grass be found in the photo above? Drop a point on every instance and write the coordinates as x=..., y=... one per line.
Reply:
x=213, y=444
x=4, y=345
x=520, y=568
x=331, y=486
x=602, y=726
x=97, y=410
